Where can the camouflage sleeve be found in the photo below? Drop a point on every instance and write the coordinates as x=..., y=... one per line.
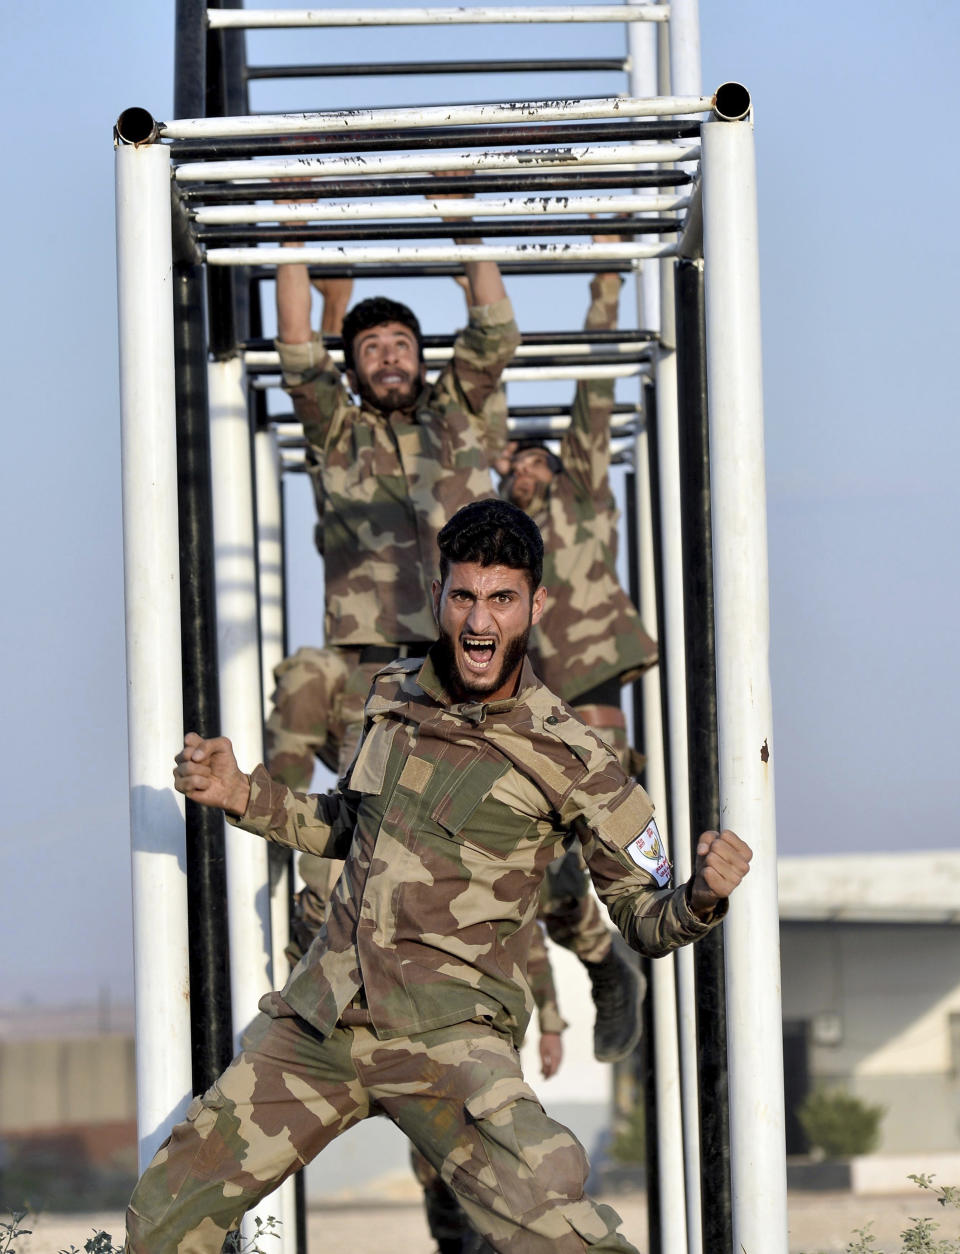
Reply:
x=468, y=385
x=540, y=979
x=322, y=823
x=585, y=448
x=609, y=812
x=315, y=386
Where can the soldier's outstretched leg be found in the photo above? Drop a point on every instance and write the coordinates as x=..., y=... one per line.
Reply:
x=445, y=1218
x=574, y=921
x=283, y=1098
x=458, y=1093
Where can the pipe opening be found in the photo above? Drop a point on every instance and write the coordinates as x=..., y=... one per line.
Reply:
x=136, y=126
x=731, y=102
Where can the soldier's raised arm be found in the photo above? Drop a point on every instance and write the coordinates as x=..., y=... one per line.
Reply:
x=310, y=377
x=585, y=447
x=206, y=771
x=293, y=304
x=482, y=350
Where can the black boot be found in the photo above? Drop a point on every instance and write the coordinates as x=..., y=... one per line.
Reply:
x=617, y=996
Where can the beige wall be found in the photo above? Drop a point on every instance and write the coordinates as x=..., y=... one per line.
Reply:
x=56, y=1083
x=890, y=990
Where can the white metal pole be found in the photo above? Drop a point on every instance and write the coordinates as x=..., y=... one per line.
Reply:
x=685, y=71
x=667, y=1077
x=683, y=40
x=463, y=15
x=417, y=118
x=269, y=357
x=372, y=165
x=337, y=255
x=754, y=1030
x=388, y=210
x=270, y=562
x=152, y=604
x=241, y=712
x=238, y=641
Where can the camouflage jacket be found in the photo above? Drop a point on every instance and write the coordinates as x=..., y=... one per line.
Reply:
x=386, y=483
x=448, y=818
x=590, y=631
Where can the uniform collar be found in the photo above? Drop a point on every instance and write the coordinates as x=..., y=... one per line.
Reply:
x=474, y=711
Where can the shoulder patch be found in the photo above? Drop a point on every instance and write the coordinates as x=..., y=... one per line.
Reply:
x=648, y=852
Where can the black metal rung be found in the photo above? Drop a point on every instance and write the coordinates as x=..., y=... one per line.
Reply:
x=498, y=135
x=220, y=236
x=448, y=270
x=605, y=336
x=380, y=69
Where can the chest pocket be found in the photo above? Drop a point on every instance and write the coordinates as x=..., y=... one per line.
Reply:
x=468, y=813
x=369, y=771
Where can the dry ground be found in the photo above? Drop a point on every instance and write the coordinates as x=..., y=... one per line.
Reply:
x=818, y=1222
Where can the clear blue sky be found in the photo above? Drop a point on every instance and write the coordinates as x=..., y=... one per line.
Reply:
x=857, y=160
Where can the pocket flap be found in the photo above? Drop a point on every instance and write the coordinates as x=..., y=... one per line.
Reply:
x=502, y=1093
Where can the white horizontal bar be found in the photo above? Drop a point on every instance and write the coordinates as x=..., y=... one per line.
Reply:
x=248, y=19
x=515, y=374
x=343, y=120
x=429, y=162
x=337, y=255
x=547, y=422
x=520, y=374
x=389, y=210
x=265, y=357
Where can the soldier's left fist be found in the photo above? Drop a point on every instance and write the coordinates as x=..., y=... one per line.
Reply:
x=723, y=859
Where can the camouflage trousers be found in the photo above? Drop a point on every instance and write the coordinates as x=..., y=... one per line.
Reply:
x=458, y=1094
x=317, y=713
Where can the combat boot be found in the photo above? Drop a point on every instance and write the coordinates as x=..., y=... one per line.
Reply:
x=617, y=995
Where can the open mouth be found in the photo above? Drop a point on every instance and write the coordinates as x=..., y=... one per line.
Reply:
x=392, y=378
x=478, y=652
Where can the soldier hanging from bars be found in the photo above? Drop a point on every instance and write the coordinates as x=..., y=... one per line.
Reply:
x=386, y=472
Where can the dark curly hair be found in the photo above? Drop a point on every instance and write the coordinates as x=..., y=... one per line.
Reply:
x=492, y=533
x=374, y=312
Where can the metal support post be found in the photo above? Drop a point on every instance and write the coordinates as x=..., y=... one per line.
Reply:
x=152, y=607
x=684, y=28
x=206, y=856
x=240, y=685
x=671, y=1229
x=744, y=712
x=272, y=634
x=657, y=715
x=702, y=742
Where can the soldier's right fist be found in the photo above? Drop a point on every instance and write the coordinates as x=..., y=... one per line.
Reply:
x=206, y=771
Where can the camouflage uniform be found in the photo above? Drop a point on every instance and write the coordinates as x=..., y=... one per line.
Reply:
x=590, y=631
x=384, y=486
x=412, y=1000
x=445, y=1218
x=590, y=637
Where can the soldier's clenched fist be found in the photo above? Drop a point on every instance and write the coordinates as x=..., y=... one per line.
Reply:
x=723, y=859
x=206, y=771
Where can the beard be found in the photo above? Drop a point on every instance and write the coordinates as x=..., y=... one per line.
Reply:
x=398, y=396
x=463, y=687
